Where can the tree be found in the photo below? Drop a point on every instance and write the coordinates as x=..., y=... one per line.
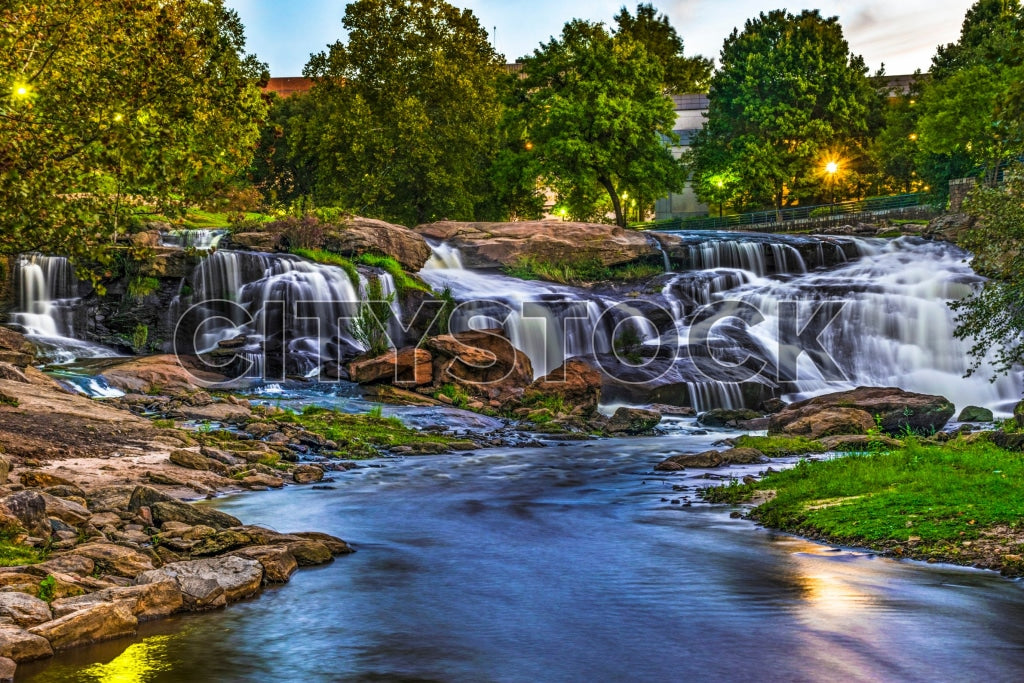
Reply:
x=895, y=148
x=682, y=74
x=596, y=115
x=994, y=316
x=406, y=112
x=788, y=98
x=107, y=104
x=967, y=110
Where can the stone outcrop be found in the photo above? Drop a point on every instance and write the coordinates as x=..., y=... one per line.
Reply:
x=91, y=624
x=731, y=456
x=15, y=350
x=492, y=245
x=166, y=374
x=115, y=559
x=632, y=421
x=408, y=367
x=145, y=601
x=22, y=646
x=164, y=508
x=483, y=362
x=975, y=414
x=212, y=582
x=576, y=383
x=23, y=610
x=854, y=412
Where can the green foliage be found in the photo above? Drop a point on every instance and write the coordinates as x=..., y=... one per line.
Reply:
x=362, y=436
x=993, y=317
x=403, y=281
x=628, y=344
x=370, y=326
x=580, y=271
x=404, y=115
x=141, y=287
x=448, y=305
x=105, y=102
x=681, y=74
x=780, y=446
x=329, y=258
x=938, y=494
x=6, y=400
x=140, y=335
x=163, y=423
x=552, y=403
x=460, y=399
x=596, y=118
x=47, y=588
x=789, y=97
x=270, y=459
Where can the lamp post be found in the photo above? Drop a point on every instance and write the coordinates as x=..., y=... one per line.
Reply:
x=832, y=168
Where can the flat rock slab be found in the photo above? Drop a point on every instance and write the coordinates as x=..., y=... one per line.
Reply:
x=211, y=582
x=23, y=610
x=90, y=625
x=115, y=559
x=146, y=601
x=21, y=646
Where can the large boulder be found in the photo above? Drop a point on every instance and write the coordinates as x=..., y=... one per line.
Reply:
x=29, y=507
x=484, y=362
x=278, y=563
x=22, y=646
x=166, y=374
x=210, y=582
x=67, y=511
x=92, y=624
x=490, y=245
x=356, y=236
x=894, y=410
x=975, y=414
x=15, y=349
x=408, y=367
x=145, y=601
x=632, y=421
x=167, y=509
x=576, y=383
x=731, y=456
x=23, y=610
x=114, y=559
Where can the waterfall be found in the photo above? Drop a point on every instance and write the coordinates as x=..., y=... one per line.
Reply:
x=203, y=240
x=48, y=301
x=295, y=311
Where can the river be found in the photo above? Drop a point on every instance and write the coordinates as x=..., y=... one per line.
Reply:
x=569, y=563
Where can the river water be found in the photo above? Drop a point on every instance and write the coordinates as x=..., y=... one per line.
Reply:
x=569, y=563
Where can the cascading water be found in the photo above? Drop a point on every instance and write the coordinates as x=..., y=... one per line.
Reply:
x=202, y=240
x=292, y=314
x=47, y=301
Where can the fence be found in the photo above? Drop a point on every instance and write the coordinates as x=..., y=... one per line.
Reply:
x=771, y=221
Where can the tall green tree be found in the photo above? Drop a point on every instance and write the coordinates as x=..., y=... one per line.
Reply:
x=107, y=104
x=405, y=112
x=682, y=74
x=967, y=110
x=788, y=97
x=596, y=116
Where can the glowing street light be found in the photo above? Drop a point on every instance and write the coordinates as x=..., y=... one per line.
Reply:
x=832, y=169
x=21, y=91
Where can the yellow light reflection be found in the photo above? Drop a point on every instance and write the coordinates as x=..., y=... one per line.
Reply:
x=21, y=91
x=136, y=664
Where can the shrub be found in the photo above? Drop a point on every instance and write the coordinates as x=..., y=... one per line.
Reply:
x=370, y=326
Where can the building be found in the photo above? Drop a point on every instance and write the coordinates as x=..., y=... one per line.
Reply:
x=690, y=111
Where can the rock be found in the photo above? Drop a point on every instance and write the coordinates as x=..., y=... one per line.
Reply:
x=576, y=383
x=39, y=479
x=830, y=421
x=254, y=241
x=146, y=601
x=89, y=625
x=723, y=417
x=229, y=413
x=632, y=421
x=359, y=236
x=7, y=669
x=66, y=510
x=407, y=367
x=309, y=553
x=333, y=543
x=29, y=507
x=23, y=610
x=5, y=469
x=483, y=362
x=15, y=349
x=210, y=582
x=66, y=564
x=166, y=509
x=491, y=245
x=1018, y=414
x=896, y=411
x=115, y=559
x=858, y=442
x=220, y=542
x=732, y=456
x=975, y=414
x=21, y=646
x=307, y=474
x=278, y=563
x=167, y=374
x=261, y=480
x=190, y=460
x=949, y=226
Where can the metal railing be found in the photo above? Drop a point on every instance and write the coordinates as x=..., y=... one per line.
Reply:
x=773, y=220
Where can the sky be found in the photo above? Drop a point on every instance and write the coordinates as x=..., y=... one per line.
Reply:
x=901, y=33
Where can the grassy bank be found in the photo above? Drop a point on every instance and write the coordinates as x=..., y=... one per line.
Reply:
x=581, y=271
x=960, y=502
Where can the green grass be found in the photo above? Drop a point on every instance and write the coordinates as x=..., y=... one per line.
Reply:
x=939, y=494
x=582, y=271
x=460, y=399
x=13, y=555
x=329, y=258
x=555, y=404
x=779, y=446
x=163, y=423
x=362, y=435
x=403, y=280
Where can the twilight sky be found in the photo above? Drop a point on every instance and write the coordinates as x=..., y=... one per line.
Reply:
x=901, y=33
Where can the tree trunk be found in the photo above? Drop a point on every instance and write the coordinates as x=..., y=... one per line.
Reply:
x=620, y=219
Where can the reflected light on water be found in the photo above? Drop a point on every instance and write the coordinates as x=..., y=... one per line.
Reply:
x=138, y=663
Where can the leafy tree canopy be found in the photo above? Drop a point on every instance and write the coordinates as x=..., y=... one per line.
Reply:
x=788, y=98
x=405, y=112
x=682, y=74
x=596, y=116
x=106, y=103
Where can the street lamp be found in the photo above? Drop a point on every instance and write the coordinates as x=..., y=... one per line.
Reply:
x=832, y=169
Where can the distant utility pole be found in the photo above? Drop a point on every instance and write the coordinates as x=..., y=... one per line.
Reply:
x=494, y=39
